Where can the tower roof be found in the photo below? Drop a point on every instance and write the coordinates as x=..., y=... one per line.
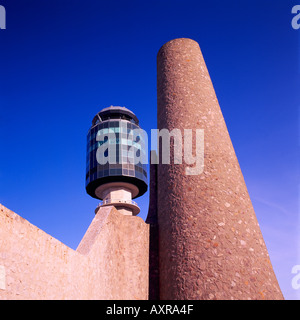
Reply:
x=114, y=112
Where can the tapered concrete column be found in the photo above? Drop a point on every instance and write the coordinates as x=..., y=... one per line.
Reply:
x=210, y=243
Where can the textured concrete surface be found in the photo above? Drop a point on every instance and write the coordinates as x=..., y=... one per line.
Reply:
x=111, y=261
x=153, y=233
x=210, y=243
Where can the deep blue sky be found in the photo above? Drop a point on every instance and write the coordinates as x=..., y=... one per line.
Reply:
x=63, y=61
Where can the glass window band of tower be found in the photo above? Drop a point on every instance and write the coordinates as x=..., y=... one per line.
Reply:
x=118, y=132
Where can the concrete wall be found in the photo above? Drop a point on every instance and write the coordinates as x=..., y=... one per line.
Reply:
x=111, y=262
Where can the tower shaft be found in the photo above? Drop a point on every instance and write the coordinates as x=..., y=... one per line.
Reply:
x=210, y=243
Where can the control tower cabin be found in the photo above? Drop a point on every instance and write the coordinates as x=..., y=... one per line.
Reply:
x=114, y=173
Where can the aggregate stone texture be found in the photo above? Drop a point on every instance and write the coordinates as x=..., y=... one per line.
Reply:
x=111, y=262
x=210, y=243
x=153, y=234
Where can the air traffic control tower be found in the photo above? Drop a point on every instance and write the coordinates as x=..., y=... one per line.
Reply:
x=114, y=172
